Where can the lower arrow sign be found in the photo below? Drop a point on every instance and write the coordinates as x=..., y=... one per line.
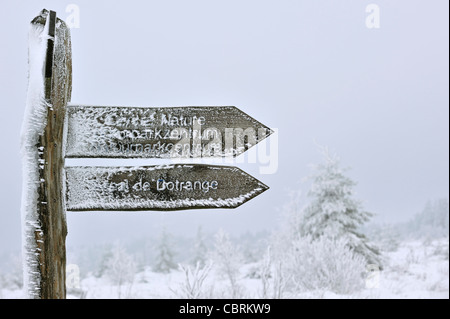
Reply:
x=167, y=187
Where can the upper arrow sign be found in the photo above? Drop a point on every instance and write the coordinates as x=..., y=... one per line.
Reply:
x=163, y=132
x=167, y=187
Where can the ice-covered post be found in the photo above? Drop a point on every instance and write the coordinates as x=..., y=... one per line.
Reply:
x=43, y=208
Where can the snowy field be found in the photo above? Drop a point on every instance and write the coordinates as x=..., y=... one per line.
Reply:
x=416, y=269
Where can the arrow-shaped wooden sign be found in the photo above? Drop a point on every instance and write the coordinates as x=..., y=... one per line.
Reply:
x=166, y=187
x=163, y=132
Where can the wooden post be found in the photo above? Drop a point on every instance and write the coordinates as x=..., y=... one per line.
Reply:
x=51, y=237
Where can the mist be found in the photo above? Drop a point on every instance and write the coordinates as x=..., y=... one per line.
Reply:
x=312, y=70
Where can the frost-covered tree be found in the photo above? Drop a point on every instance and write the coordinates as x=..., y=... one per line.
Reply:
x=200, y=250
x=433, y=221
x=193, y=286
x=334, y=212
x=273, y=277
x=282, y=239
x=387, y=237
x=228, y=258
x=120, y=268
x=164, y=253
x=106, y=254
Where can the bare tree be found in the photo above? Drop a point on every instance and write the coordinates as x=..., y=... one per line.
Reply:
x=121, y=268
x=272, y=277
x=266, y=266
x=228, y=259
x=193, y=284
x=280, y=280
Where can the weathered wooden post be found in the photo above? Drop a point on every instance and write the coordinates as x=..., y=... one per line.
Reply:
x=43, y=207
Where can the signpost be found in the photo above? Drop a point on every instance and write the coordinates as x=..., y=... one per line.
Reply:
x=76, y=131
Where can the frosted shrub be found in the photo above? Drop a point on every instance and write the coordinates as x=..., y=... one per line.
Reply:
x=325, y=263
x=265, y=270
x=228, y=259
x=273, y=279
x=121, y=269
x=193, y=285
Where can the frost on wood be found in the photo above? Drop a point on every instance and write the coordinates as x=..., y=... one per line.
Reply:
x=41, y=130
x=33, y=127
x=164, y=132
x=167, y=187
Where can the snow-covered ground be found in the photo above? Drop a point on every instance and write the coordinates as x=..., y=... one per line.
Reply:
x=416, y=269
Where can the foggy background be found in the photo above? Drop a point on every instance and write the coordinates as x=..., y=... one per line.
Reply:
x=311, y=69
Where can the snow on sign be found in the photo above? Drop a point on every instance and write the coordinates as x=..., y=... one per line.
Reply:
x=164, y=132
x=167, y=187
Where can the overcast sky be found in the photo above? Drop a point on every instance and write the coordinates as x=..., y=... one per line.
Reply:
x=309, y=68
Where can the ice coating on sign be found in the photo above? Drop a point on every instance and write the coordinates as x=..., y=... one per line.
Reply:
x=161, y=132
x=167, y=187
